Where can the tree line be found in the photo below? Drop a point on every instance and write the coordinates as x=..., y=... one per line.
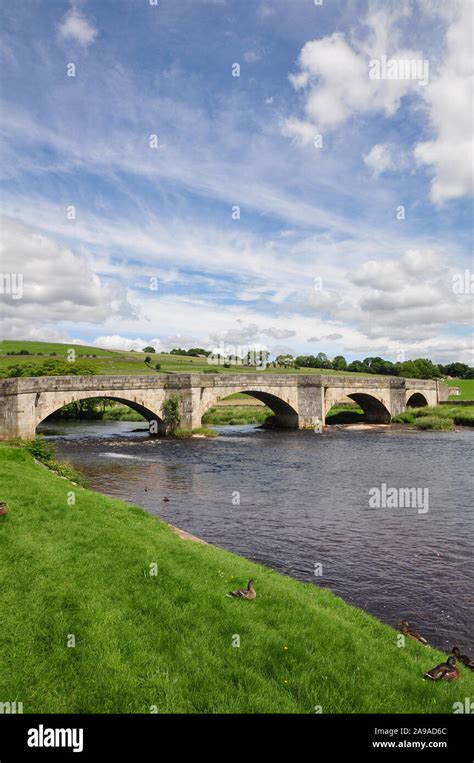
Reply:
x=420, y=368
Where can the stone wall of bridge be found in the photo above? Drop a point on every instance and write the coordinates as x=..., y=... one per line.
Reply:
x=298, y=400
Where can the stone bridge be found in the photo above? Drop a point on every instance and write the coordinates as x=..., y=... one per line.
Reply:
x=297, y=400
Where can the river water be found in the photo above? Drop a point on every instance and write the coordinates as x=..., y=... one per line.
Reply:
x=304, y=502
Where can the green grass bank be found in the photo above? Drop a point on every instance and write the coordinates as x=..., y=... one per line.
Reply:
x=438, y=417
x=83, y=569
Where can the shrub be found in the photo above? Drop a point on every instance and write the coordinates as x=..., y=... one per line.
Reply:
x=171, y=415
x=45, y=452
x=205, y=431
x=182, y=433
x=435, y=423
x=464, y=418
x=42, y=450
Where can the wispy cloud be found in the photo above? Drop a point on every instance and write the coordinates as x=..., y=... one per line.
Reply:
x=77, y=27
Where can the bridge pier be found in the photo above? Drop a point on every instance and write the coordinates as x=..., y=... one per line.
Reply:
x=311, y=411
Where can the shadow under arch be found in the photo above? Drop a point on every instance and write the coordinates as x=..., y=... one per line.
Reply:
x=155, y=422
x=284, y=417
x=375, y=411
x=417, y=400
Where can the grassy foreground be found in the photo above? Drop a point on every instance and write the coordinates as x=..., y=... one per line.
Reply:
x=166, y=640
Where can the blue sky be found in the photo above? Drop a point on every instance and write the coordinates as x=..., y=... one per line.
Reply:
x=124, y=239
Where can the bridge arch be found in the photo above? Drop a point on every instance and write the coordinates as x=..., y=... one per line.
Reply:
x=48, y=408
x=376, y=408
x=416, y=400
x=285, y=413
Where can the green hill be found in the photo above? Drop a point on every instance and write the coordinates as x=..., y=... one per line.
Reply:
x=109, y=362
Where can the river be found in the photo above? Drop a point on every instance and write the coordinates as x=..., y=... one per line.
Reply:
x=304, y=508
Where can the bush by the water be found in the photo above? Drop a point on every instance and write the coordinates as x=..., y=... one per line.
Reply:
x=45, y=452
x=441, y=418
x=439, y=423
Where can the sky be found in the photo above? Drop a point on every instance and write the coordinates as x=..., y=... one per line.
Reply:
x=234, y=174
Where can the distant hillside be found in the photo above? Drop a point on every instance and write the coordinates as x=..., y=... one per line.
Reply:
x=110, y=362
x=49, y=348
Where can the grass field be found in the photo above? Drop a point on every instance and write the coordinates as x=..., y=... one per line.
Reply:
x=144, y=642
x=465, y=385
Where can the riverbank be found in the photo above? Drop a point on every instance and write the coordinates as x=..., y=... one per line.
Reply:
x=83, y=570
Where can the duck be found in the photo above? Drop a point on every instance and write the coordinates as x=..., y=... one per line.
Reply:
x=446, y=671
x=407, y=631
x=467, y=661
x=244, y=593
x=166, y=500
x=3, y=509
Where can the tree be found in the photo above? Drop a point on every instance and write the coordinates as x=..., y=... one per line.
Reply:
x=306, y=361
x=358, y=367
x=194, y=352
x=339, y=363
x=420, y=368
x=378, y=365
x=455, y=369
x=149, y=349
x=147, y=360
x=323, y=361
x=171, y=415
x=287, y=361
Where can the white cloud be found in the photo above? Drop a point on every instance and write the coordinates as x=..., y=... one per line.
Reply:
x=379, y=159
x=388, y=275
x=117, y=342
x=404, y=297
x=449, y=97
x=335, y=76
x=75, y=26
x=58, y=285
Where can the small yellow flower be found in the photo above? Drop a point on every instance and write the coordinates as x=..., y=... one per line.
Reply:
x=285, y=647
